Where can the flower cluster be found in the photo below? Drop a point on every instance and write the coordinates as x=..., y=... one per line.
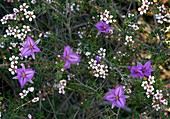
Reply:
x=119, y=36
x=14, y=62
x=17, y=33
x=128, y=40
x=8, y=17
x=127, y=89
x=106, y=17
x=61, y=85
x=144, y=7
x=163, y=15
x=72, y=7
x=25, y=92
x=157, y=99
x=134, y=26
x=98, y=68
x=16, y=12
x=13, y=45
x=28, y=45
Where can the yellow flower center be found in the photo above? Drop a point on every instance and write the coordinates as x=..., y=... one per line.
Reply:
x=23, y=75
x=117, y=97
x=31, y=47
x=67, y=57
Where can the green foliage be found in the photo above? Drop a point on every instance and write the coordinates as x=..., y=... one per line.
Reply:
x=57, y=26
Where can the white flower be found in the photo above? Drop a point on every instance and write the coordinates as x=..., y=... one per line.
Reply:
x=92, y=63
x=102, y=52
x=142, y=10
x=36, y=99
x=31, y=89
x=135, y=27
x=13, y=44
x=21, y=36
x=30, y=15
x=33, y=1
x=164, y=101
x=158, y=91
x=13, y=69
x=150, y=88
x=63, y=82
x=167, y=15
x=161, y=18
x=99, y=68
x=26, y=29
x=4, y=20
x=106, y=12
x=158, y=96
x=128, y=91
x=5, y=36
x=15, y=10
x=106, y=17
x=23, y=7
x=61, y=91
x=9, y=31
x=145, y=3
x=25, y=92
x=151, y=79
x=15, y=32
x=111, y=31
x=156, y=106
x=22, y=96
x=14, y=59
x=96, y=75
x=128, y=38
x=103, y=74
x=162, y=8
x=29, y=116
x=87, y=53
x=144, y=85
x=148, y=94
x=109, y=19
x=105, y=68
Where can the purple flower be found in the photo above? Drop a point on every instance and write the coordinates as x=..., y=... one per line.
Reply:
x=70, y=57
x=141, y=70
x=29, y=47
x=24, y=75
x=134, y=71
x=144, y=69
x=117, y=97
x=103, y=27
x=97, y=59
